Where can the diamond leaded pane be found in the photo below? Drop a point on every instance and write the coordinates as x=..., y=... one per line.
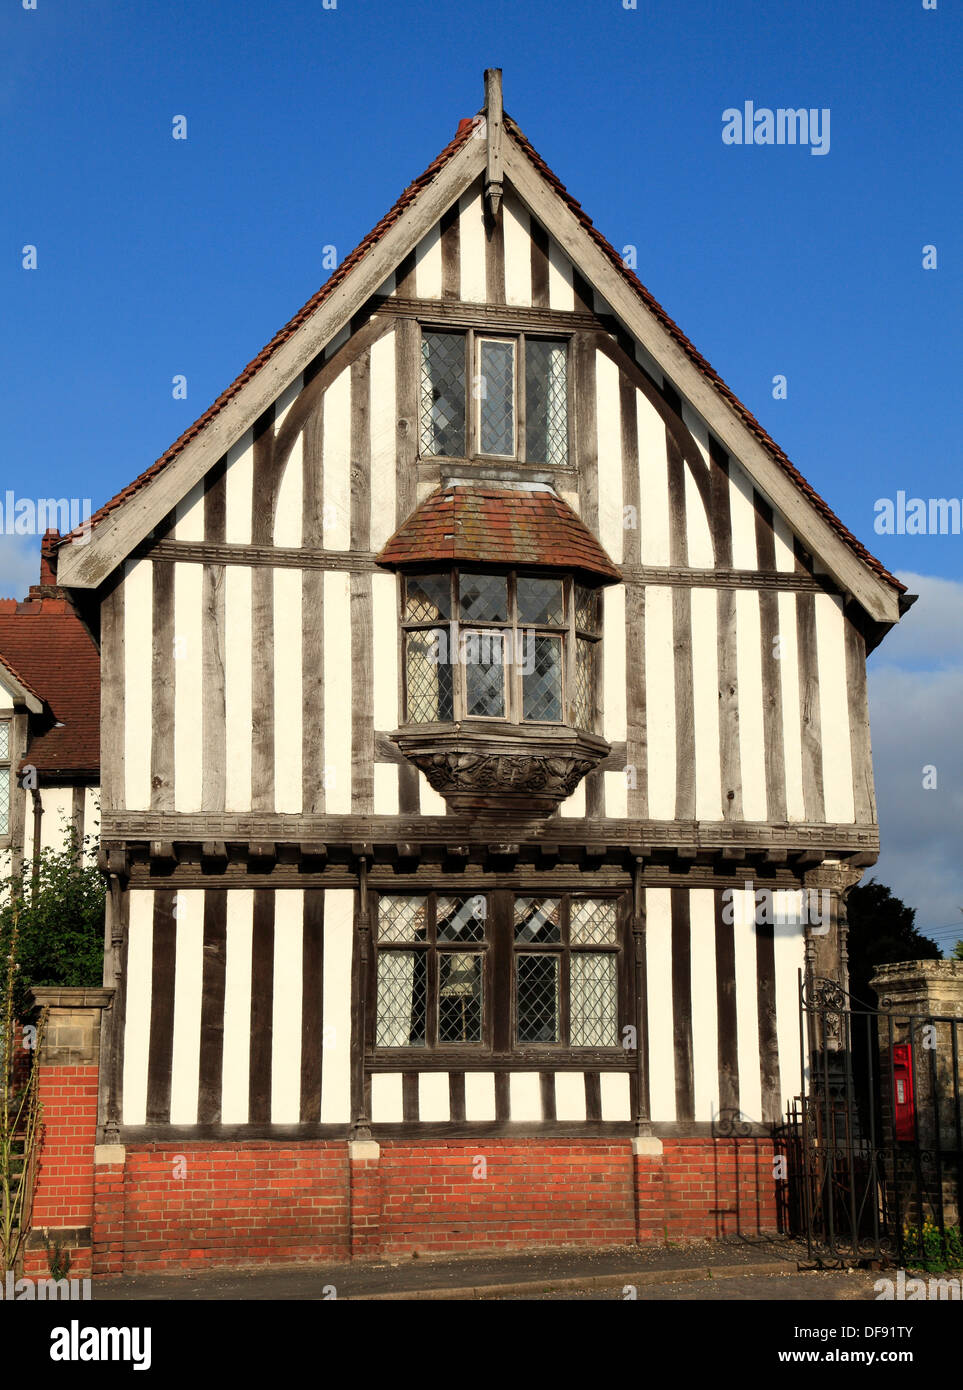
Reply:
x=496, y=389
x=481, y=653
x=428, y=677
x=546, y=402
x=540, y=601
x=536, y=998
x=542, y=686
x=593, y=999
x=586, y=608
x=584, y=683
x=402, y=918
x=402, y=1012
x=483, y=598
x=427, y=597
x=443, y=394
x=4, y=739
x=4, y=801
x=459, y=997
x=461, y=919
x=537, y=919
x=592, y=922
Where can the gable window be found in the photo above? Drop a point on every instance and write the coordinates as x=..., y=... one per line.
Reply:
x=494, y=396
x=515, y=647
x=4, y=776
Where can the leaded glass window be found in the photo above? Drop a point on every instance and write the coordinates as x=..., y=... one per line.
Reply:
x=443, y=394
x=496, y=396
x=431, y=967
x=556, y=962
x=546, y=402
x=566, y=971
x=517, y=389
x=479, y=645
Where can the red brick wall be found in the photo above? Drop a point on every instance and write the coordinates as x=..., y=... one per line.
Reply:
x=64, y=1193
x=534, y=1192
x=718, y=1187
x=197, y=1206
x=65, y=1182
x=202, y=1205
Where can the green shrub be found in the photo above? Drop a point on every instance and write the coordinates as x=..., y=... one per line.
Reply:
x=924, y=1249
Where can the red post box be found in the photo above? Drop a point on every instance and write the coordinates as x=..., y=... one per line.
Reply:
x=904, y=1117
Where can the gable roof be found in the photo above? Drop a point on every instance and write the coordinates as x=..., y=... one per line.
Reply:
x=692, y=352
x=485, y=524
x=449, y=174
x=44, y=642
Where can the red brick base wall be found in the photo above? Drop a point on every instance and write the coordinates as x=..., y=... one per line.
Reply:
x=199, y=1206
x=64, y=1196
x=206, y=1205
x=718, y=1187
x=470, y=1194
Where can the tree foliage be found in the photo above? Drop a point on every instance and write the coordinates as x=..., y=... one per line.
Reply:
x=60, y=899
x=882, y=929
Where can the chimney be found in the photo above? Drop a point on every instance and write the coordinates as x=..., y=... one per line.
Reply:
x=48, y=559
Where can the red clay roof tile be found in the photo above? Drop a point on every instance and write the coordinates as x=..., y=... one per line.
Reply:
x=48, y=649
x=485, y=525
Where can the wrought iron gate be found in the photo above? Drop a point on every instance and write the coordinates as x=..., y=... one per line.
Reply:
x=874, y=1140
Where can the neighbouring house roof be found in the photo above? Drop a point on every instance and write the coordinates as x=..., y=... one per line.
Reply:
x=484, y=524
x=47, y=648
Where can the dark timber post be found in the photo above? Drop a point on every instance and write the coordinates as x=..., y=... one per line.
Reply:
x=643, y=1125
x=361, y=1121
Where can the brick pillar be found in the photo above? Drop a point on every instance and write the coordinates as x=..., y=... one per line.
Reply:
x=364, y=1163
x=648, y=1161
x=920, y=992
x=63, y=1208
x=108, y=1224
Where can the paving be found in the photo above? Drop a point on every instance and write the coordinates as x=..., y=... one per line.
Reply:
x=724, y=1269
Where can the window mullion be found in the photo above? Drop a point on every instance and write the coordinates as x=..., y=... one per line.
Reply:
x=471, y=402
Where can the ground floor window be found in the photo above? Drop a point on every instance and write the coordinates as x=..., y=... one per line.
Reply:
x=498, y=971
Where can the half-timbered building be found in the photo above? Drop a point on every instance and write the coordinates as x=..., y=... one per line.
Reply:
x=484, y=754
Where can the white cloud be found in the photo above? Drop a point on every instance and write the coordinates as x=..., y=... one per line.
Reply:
x=916, y=710
x=19, y=565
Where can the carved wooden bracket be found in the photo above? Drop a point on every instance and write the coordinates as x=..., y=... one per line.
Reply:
x=502, y=770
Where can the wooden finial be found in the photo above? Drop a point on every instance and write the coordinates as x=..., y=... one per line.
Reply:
x=493, y=135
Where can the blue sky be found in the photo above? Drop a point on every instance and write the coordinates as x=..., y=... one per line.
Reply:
x=158, y=257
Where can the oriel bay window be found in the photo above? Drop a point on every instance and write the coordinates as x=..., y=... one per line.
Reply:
x=494, y=395
x=500, y=971
x=514, y=647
